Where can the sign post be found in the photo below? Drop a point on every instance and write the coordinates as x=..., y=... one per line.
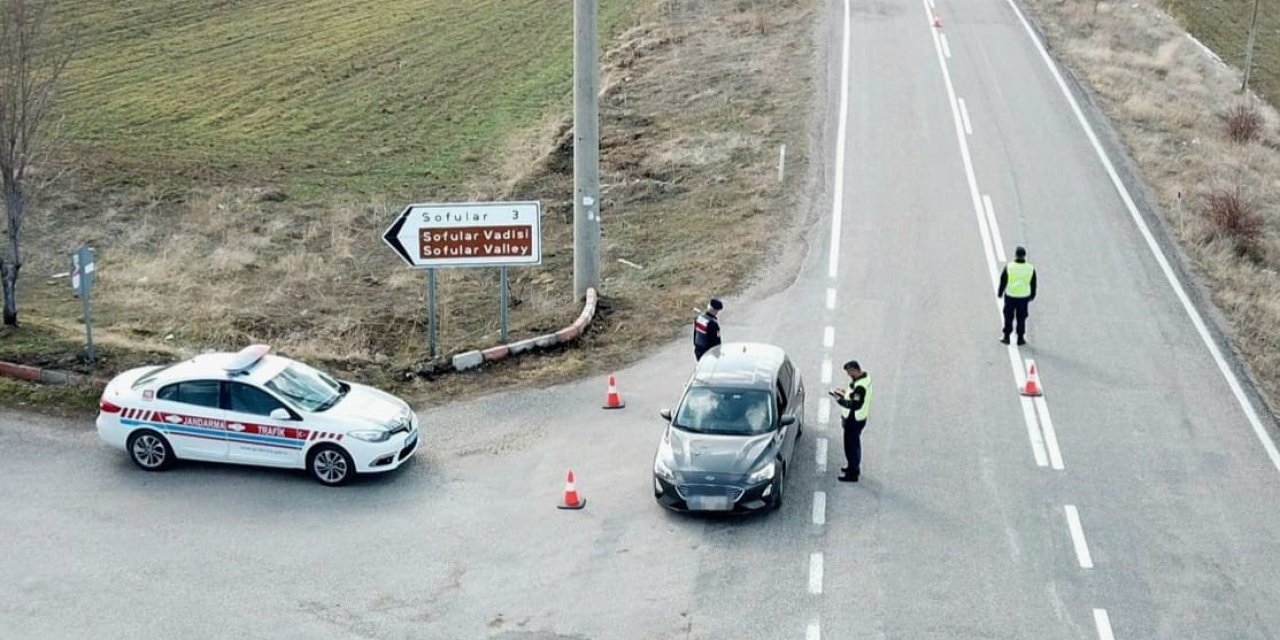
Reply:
x=82, y=275
x=473, y=234
x=431, y=313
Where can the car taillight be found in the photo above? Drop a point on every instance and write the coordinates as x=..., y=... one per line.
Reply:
x=108, y=407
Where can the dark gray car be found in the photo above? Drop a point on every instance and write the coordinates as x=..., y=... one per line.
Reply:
x=728, y=445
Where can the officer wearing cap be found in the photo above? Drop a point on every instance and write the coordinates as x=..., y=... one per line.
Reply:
x=1018, y=288
x=706, y=329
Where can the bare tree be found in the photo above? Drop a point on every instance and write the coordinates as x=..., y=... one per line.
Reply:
x=31, y=62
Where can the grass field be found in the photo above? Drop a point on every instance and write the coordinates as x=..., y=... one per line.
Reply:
x=1223, y=25
x=234, y=164
x=395, y=98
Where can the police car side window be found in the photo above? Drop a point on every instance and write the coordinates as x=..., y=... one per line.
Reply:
x=169, y=393
x=247, y=399
x=202, y=393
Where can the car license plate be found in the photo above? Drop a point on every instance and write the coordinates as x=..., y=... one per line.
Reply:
x=709, y=503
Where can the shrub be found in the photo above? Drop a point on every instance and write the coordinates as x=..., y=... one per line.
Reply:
x=1233, y=217
x=1244, y=123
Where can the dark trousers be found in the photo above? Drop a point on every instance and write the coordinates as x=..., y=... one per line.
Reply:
x=1015, y=308
x=853, y=445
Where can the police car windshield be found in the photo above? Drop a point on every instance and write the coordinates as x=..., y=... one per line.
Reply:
x=306, y=387
x=737, y=412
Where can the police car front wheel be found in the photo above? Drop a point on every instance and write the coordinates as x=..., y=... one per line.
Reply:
x=150, y=450
x=331, y=466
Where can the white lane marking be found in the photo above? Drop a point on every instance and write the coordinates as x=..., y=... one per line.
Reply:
x=826, y=370
x=829, y=337
x=831, y=298
x=932, y=5
x=1234, y=383
x=995, y=227
x=820, y=455
x=1103, y=621
x=813, y=631
x=819, y=507
x=989, y=230
x=1077, y=537
x=1033, y=432
x=842, y=128
x=824, y=411
x=815, y=572
x=946, y=48
x=964, y=115
x=1050, y=435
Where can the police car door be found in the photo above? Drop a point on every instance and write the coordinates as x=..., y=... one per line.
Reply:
x=254, y=436
x=190, y=416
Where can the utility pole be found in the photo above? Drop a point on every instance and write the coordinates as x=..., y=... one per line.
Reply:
x=1248, y=57
x=586, y=150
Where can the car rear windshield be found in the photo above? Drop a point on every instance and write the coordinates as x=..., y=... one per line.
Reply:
x=743, y=412
x=150, y=376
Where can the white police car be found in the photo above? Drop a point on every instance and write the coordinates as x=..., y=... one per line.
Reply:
x=253, y=408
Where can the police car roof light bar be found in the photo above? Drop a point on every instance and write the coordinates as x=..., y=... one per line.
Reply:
x=246, y=358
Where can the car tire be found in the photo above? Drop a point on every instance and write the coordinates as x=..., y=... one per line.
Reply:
x=150, y=450
x=779, y=486
x=331, y=465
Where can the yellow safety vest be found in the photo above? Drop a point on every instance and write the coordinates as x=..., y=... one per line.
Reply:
x=1019, y=283
x=865, y=383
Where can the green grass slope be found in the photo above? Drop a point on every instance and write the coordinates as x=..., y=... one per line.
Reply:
x=1223, y=25
x=382, y=97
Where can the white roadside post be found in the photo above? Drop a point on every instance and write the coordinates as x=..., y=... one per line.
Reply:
x=82, y=274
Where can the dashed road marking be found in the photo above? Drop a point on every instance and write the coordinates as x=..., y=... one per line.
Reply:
x=1050, y=435
x=1033, y=432
x=826, y=370
x=964, y=115
x=813, y=631
x=824, y=411
x=946, y=47
x=829, y=337
x=1077, y=537
x=815, y=573
x=819, y=507
x=991, y=222
x=1103, y=621
x=820, y=455
x=831, y=298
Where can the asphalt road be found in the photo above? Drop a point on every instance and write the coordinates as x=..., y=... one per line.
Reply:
x=1142, y=509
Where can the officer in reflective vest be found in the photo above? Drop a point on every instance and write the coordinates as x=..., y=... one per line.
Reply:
x=855, y=407
x=706, y=329
x=1018, y=288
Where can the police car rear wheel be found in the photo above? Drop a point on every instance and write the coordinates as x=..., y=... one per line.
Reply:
x=331, y=466
x=150, y=451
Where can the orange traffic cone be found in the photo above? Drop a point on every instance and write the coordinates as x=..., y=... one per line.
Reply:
x=937, y=21
x=613, y=400
x=571, y=498
x=1032, y=388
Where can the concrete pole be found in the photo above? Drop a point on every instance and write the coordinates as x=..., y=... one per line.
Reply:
x=586, y=150
x=1248, y=57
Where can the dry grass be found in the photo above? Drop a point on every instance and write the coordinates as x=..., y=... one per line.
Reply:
x=697, y=97
x=1164, y=94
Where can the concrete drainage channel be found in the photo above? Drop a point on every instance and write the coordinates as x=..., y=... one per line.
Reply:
x=460, y=362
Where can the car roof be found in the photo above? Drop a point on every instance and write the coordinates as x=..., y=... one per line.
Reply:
x=740, y=364
x=216, y=365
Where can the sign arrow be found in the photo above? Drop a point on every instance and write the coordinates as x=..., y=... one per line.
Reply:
x=392, y=236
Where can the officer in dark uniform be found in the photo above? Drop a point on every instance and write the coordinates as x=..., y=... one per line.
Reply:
x=855, y=408
x=1018, y=288
x=706, y=329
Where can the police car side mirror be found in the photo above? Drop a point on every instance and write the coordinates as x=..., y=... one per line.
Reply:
x=666, y=414
x=788, y=420
x=281, y=413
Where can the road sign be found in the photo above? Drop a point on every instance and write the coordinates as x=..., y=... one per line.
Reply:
x=82, y=268
x=486, y=234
